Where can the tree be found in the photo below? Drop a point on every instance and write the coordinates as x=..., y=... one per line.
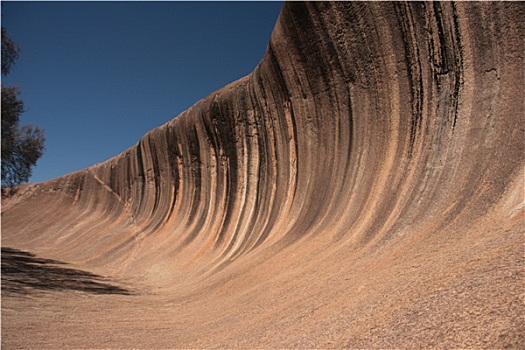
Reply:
x=23, y=145
x=10, y=52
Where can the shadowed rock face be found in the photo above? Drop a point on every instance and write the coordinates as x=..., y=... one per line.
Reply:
x=23, y=273
x=363, y=187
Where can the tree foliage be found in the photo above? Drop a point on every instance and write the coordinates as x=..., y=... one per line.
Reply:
x=23, y=145
x=10, y=52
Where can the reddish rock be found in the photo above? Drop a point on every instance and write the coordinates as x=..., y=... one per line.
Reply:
x=362, y=188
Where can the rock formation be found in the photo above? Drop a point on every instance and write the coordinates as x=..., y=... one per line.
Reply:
x=363, y=187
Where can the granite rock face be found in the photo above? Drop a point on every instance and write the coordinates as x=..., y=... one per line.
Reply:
x=363, y=187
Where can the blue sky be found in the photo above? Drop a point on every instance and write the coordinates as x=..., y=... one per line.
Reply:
x=97, y=76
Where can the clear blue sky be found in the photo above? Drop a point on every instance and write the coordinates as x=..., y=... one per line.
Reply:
x=97, y=76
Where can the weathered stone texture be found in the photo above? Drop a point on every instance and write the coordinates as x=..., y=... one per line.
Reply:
x=363, y=187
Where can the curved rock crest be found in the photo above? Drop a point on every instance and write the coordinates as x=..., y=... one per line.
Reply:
x=377, y=149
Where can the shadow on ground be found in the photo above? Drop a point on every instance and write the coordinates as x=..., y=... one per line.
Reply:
x=23, y=273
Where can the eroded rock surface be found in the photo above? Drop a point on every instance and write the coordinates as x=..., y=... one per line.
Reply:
x=363, y=187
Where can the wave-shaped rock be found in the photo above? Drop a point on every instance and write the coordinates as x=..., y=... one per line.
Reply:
x=363, y=187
